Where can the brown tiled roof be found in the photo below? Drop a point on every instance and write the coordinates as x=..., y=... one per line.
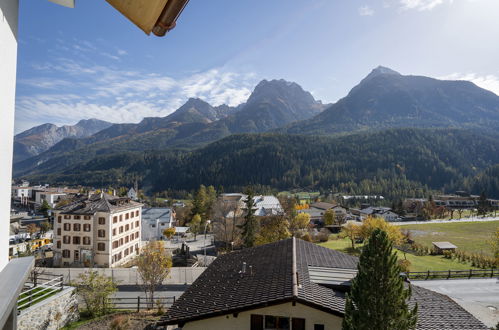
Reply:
x=84, y=204
x=323, y=205
x=268, y=280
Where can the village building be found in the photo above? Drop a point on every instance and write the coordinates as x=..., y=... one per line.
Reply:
x=155, y=220
x=290, y=284
x=99, y=230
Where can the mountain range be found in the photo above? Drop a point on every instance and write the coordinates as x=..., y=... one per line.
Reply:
x=383, y=100
x=41, y=138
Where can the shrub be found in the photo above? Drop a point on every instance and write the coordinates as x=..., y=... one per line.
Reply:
x=404, y=265
x=120, y=322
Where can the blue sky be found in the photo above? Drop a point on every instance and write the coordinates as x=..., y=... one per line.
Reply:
x=91, y=62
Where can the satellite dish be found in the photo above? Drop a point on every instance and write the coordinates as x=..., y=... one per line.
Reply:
x=65, y=3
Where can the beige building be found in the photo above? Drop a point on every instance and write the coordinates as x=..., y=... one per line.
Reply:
x=101, y=231
x=294, y=285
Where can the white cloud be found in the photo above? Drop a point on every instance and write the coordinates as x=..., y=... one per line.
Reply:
x=489, y=82
x=366, y=11
x=422, y=5
x=83, y=91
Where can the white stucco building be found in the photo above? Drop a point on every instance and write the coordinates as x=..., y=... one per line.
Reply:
x=101, y=230
x=154, y=221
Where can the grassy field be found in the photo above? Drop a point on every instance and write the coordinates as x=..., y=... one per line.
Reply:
x=418, y=263
x=467, y=236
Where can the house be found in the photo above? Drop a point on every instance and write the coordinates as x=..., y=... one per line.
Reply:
x=290, y=284
x=52, y=198
x=155, y=220
x=264, y=205
x=441, y=247
x=381, y=212
x=97, y=230
x=317, y=211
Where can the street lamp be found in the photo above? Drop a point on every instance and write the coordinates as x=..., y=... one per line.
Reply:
x=205, y=228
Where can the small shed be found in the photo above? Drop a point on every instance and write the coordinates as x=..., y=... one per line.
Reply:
x=440, y=247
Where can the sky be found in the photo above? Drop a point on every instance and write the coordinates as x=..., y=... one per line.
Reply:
x=91, y=62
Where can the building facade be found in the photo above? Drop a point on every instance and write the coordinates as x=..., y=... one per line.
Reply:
x=154, y=221
x=97, y=231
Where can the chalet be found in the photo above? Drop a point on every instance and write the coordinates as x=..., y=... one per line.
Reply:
x=290, y=284
x=381, y=212
x=264, y=205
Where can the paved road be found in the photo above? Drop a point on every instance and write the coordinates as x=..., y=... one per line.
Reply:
x=473, y=219
x=479, y=296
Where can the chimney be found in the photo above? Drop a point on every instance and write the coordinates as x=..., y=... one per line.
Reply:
x=114, y=192
x=243, y=271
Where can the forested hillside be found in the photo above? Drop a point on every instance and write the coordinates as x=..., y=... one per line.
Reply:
x=396, y=162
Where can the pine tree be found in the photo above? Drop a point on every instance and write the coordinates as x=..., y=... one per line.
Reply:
x=199, y=203
x=378, y=299
x=250, y=225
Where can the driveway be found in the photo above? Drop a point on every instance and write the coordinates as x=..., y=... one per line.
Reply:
x=478, y=296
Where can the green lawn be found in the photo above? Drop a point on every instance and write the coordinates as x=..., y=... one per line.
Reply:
x=468, y=236
x=418, y=263
x=37, y=295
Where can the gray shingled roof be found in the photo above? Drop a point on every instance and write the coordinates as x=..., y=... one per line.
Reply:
x=268, y=279
x=84, y=204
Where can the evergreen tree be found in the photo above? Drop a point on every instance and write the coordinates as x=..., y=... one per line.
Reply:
x=378, y=299
x=250, y=225
x=199, y=203
x=483, y=206
x=44, y=208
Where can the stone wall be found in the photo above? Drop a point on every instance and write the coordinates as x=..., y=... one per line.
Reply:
x=52, y=313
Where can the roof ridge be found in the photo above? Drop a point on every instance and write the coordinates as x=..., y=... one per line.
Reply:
x=294, y=270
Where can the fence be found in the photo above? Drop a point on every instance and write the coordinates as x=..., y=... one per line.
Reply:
x=140, y=303
x=39, y=287
x=127, y=276
x=448, y=274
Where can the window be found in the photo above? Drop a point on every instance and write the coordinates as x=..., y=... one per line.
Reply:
x=121, y=241
x=101, y=246
x=76, y=240
x=131, y=225
x=86, y=240
x=131, y=214
x=136, y=223
x=87, y=217
x=66, y=239
x=127, y=227
x=101, y=233
x=67, y=216
x=298, y=324
x=76, y=255
x=76, y=227
x=115, y=219
x=115, y=244
x=66, y=254
x=125, y=253
x=121, y=229
x=87, y=227
x=256, y=322
x=67, y=227
x=127, y=216
x=277, y=322
x=136, y=213
x=114, y=232
x=153, y=226
x=126, y=239
x=59, y=218
x=58, y=244
x=318, y=326
x=121, y=217
x=77, y=217
x=102, y=221
x=58, y=231
x=131, y=237
x=137, y=235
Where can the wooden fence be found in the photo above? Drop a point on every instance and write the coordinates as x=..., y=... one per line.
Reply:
x=448, y=274
x=140, y=303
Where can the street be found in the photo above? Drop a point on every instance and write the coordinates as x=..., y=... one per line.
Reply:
x=478, y=296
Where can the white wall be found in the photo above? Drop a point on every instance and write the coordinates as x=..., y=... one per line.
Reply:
x=243, y=320
x=8, y=61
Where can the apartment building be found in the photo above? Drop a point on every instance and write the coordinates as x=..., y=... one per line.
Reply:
x=99, y=230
